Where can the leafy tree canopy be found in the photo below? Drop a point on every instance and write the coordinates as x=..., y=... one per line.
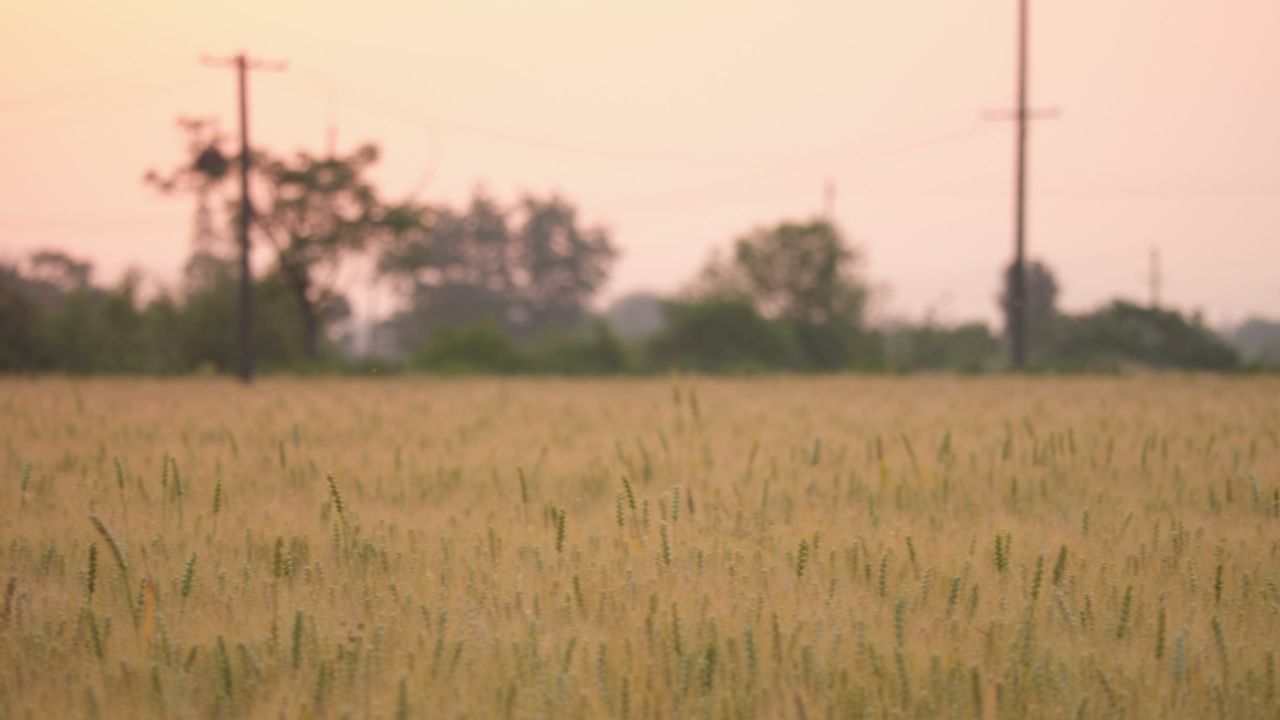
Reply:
x=528, y=268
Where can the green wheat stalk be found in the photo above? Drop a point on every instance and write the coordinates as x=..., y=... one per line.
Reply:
x=93, y=569
x=122, y=562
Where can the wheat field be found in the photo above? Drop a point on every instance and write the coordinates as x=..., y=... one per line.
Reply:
x=929, y=547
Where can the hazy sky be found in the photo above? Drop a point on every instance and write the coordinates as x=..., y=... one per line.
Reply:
x=682, y=124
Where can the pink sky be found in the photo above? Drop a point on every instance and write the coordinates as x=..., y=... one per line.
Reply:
x=682, y=124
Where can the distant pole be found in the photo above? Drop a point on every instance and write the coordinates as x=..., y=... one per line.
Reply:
x=829, y=201
x=1154, y=277
x=242, y=65
x=1018, y=318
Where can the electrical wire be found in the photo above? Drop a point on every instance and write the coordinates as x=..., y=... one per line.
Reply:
x=93, y=111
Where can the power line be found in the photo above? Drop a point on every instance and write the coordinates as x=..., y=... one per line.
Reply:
x=74, y=95
x=875, y=149
x=379, y=105
x=330, y=89
x=864, y=155
x=84, y=113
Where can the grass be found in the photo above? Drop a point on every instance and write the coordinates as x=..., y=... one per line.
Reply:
x=765, y=548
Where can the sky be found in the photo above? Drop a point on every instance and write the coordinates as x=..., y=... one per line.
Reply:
x=681, y=125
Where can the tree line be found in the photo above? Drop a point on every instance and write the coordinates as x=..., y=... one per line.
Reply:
x=498, y=287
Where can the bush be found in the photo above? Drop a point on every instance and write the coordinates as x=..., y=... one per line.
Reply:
x=595, y=351
x=722, y=335
x=477, y=348
x=1125, y=334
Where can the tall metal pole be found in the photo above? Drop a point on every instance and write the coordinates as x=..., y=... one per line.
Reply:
x=1018, y=317
x=246, y=211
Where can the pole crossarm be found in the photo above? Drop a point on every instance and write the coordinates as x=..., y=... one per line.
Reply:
x=250, y=63
x=1049, y=113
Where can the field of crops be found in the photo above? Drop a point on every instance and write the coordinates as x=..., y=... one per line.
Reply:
x=678, y=547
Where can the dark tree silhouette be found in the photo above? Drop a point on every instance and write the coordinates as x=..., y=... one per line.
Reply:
x=528, y=269
x=1041, y=313
x=314, y=212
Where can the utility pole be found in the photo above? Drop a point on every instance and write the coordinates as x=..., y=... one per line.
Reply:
x=243, y=65
x=1018, y=317
x=1018, y=326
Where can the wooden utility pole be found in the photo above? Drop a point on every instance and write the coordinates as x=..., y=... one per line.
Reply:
x=1021, y=115
x=243, y=65
x=1018, y=320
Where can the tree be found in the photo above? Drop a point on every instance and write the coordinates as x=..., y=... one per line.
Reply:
x=1258, y=340
x=21, y=323
x=804, y=277
x=60, y=271
x=1040, y=315
x=54, y=318
x=802, y=272
x=527, y=269
x=968, y=347
x=321, y=210
x=205, y=333
x=477, y=348
x=452, y=266
x=1123, y=333
x=318, y=211
x=590, y=350
x=717, y=334
x=558, y=264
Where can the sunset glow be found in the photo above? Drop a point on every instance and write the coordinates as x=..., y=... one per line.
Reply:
x=680, y=125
